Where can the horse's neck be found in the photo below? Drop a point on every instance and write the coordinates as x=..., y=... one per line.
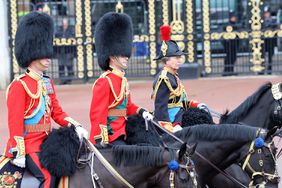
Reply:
x=221, y=153
x=129, y=172
x=260, y=114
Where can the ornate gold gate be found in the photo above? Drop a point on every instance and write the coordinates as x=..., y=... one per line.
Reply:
x=255, y=34
x=193, y=27
x=82, y=16
x=81, y=39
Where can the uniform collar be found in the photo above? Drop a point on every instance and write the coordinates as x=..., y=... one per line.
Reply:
x=117, y=72
x=171, y=71
x=34, y=75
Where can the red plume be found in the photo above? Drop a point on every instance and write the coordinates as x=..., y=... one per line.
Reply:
x=165, y=32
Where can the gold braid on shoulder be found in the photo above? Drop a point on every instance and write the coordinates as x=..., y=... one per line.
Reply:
x=38, y=95
x=123, y=89
x=122, y=92
x=163, y=77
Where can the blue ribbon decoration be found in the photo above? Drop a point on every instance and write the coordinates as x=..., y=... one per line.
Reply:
x=259, y=142
x=173, y=165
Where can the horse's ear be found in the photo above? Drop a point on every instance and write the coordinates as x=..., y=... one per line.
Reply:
x=182, y=151
x=271, y=132
x=224, y=116
x=278, y=133
x=191, y=150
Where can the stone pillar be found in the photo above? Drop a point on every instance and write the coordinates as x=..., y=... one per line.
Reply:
x=4, y=46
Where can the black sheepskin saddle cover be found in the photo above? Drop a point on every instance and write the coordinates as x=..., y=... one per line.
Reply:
x=196, y=116
x=59, y=152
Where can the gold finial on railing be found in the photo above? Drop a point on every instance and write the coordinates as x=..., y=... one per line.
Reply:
x=46, y=9
x=119, y=7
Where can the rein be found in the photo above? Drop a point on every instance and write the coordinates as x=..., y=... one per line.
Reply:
x=201, y=156
x=89, y=158
x=107, y=165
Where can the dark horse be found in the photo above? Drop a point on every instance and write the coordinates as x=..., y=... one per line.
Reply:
x=262, y=109
x=141, y=166
x=222, y=145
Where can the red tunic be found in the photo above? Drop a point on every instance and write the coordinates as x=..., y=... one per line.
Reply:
x=103, y=99
x=20, y=104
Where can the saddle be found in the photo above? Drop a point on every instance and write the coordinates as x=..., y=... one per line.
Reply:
x=12, y=176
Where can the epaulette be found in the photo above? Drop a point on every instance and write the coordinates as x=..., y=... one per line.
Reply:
x=19, y=77
x=103, y=75
x=162, y=76
x=15, y=79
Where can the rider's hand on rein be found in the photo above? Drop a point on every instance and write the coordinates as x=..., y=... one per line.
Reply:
x=147, y=116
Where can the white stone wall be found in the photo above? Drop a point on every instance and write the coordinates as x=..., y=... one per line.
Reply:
x=4, y=46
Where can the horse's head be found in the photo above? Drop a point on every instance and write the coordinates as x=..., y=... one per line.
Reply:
x=261, y=109
x=259, y=161
x=187, y=167
x=182, y=171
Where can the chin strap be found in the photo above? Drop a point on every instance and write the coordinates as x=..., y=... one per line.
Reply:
x=123, y=65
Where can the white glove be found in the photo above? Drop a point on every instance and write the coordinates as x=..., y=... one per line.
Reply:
x=203, y=106
x=19, y=161
x=147, y=116
x=81, y=132
x=177, y=128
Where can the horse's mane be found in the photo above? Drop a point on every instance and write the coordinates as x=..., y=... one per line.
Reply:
x=216, y=132
x=245, y=106
x=138, y=155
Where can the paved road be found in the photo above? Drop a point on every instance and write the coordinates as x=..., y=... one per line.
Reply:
x=219, y=93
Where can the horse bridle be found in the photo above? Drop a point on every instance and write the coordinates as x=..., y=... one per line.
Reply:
x=274, y=178
x=88, y=159
x=189, y=167
x=277, y=95
x=228, y=176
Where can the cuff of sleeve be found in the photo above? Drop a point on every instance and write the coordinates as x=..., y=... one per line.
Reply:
x=167, y=125
x=72, y=122
x=176, y=123
x=140, y=111
x=19, y=150
x=103, y=137
x=193, y=104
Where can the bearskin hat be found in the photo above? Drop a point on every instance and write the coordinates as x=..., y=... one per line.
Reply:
x=34, y=38
x=113, y=37
x=169, y=47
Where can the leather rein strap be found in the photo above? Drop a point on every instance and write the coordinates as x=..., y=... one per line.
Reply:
x=108, y=166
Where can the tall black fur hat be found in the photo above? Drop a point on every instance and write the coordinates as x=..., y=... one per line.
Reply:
x=34, y=38
x=113, y=37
